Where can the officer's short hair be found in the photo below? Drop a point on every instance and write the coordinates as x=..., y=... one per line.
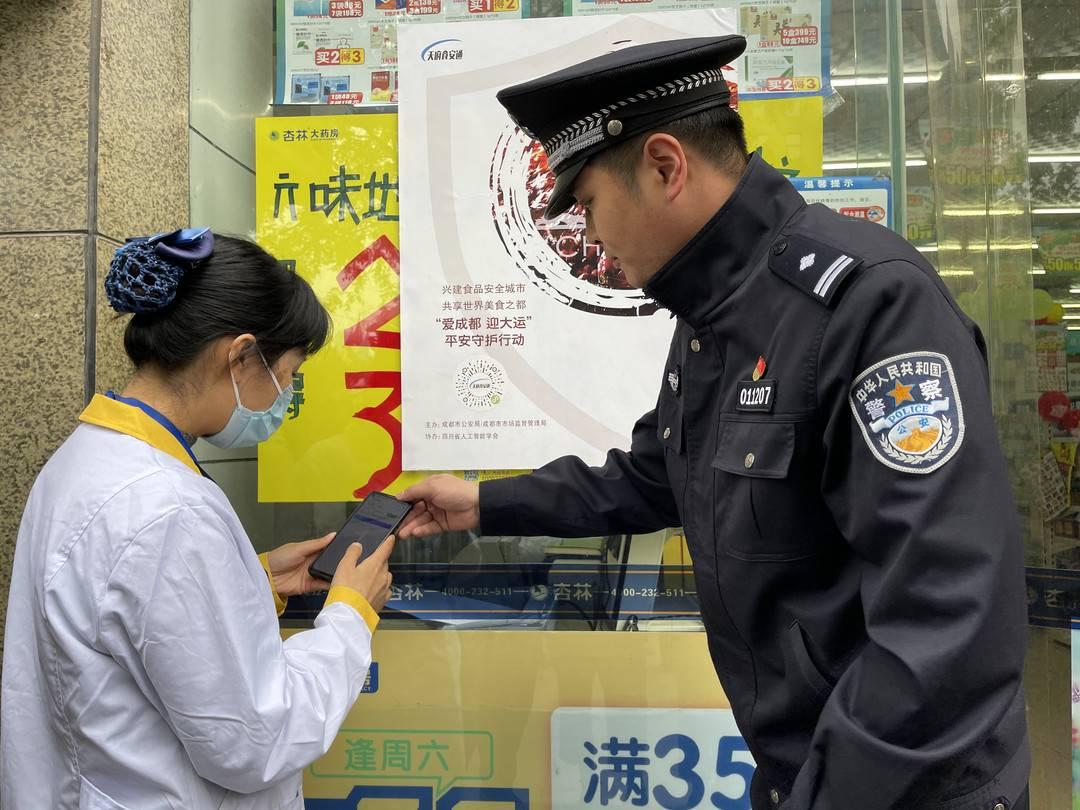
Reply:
x=716, y=134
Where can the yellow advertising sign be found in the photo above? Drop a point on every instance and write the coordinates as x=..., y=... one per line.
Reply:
x=787, y=132
x=327, y=200
x=473, y=720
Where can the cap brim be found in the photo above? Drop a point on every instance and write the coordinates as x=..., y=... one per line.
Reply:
x=562, y=197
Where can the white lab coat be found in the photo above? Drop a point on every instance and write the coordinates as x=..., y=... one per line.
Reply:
x=143, y=666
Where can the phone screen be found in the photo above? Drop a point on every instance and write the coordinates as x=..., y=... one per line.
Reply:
x=370, y=524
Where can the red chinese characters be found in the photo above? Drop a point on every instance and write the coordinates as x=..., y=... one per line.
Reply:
x=370, y=334
x=799, y=35
x=355, y=97
x=346, y=8
x=424, y=8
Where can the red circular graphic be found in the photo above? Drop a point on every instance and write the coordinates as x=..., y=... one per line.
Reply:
x=1053, y=406
x=553, y=254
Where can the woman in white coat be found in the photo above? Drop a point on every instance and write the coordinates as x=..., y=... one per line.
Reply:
x=143, y=666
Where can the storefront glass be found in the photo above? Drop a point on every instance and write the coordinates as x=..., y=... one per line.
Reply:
x=958, y=121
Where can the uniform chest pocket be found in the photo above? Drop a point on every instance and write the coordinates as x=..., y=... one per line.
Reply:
x=767, y=506
x=755, y=449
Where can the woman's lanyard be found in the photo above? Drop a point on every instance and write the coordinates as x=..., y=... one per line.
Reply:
x=162, y=420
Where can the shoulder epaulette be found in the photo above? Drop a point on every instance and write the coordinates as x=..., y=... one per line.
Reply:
x=814, y=267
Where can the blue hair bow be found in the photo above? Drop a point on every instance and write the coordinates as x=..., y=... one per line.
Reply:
x=145, y=274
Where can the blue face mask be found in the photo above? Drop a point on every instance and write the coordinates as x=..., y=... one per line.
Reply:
x=247, y=428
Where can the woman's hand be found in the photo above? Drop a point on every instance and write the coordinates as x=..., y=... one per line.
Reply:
x=289, y=566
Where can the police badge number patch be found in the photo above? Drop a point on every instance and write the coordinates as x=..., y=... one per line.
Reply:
x=909, y=411
x=673, y=380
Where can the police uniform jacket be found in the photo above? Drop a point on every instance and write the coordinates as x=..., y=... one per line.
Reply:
x=824, y=435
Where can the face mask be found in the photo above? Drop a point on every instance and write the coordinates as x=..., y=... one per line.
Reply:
x=247, y=428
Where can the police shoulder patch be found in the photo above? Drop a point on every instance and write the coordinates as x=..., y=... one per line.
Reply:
x=909, y=411
x=815, y=268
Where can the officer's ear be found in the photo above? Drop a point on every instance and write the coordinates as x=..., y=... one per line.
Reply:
x=665, y=165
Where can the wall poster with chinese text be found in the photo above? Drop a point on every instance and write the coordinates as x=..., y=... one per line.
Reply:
x=787, y=47
x=327, y=202
x=787, y=41
x=513, y=324
x=345, y=51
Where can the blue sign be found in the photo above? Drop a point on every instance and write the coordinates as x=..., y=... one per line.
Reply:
x=856, y=196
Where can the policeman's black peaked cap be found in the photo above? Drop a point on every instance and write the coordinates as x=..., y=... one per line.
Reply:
x=582, y=110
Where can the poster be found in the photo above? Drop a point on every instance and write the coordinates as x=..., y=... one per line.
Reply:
x=921, y=228
x=326, y=191
x=518, y=333
x=650, y=741
x=787, y=41
x=787, y=47
x=861, y=197
x=786, y=132
x=1059, y=249
x=1053, y=490
x=345, y=51
x=1051, y=360
x=473, y=726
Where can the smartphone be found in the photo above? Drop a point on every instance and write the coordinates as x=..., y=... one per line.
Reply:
x=374, y=520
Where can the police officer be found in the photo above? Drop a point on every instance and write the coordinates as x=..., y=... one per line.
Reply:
x=824, y=435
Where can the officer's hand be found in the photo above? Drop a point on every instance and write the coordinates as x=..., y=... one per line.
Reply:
x=372, y=577
x=441, y=503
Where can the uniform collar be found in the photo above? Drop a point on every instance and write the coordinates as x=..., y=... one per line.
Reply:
x=132, y=421
x=697, y=280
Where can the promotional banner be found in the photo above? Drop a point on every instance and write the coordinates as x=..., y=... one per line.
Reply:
x=1059, y=249
x=516, y=329
x=326, y=192
x=921, y=227
x=345, y=51
x=521, y=720
x=787, y=41
x=787, y=47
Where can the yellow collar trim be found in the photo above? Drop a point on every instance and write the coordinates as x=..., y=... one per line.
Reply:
x=129, y=420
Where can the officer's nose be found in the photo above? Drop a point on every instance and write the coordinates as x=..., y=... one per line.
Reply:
x=591, y=235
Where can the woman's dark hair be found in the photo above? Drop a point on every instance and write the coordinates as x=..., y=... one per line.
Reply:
x=239, y=289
